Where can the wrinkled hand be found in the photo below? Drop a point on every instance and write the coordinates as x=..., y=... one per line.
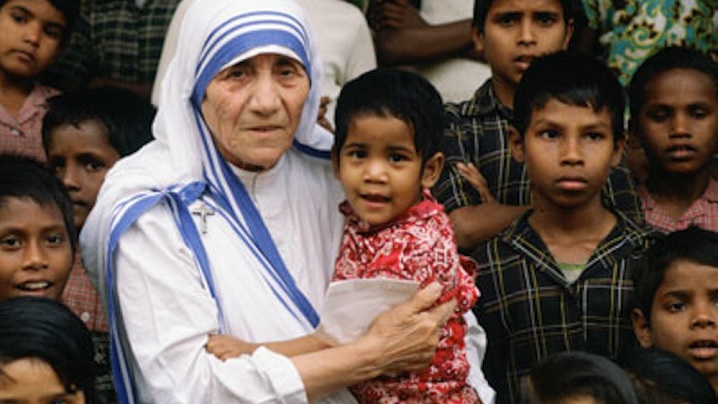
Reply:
x=322, y=114
x=408, y=334
x=474, y=177
x=225, y=346
x=395, y=14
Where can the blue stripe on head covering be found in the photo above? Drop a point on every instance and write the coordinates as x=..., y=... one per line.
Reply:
x=246, y=33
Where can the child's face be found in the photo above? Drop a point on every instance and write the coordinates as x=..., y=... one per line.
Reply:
x=35, y=251
x=516, y=32
x=80, y=156
x=380, y=169
x=684, y=316
x=33, y=381
x=569, y=152
x=32, y=32
x=678, y=123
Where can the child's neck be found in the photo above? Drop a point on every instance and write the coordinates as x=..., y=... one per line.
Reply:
x=572, y=236
x=13, y=92
x=504, y=91
x=676, y=193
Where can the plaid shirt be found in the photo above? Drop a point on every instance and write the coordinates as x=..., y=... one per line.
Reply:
x=23, y=134
x=529, y=310
x=477, y=131
x=702, y=213
x=114, y=40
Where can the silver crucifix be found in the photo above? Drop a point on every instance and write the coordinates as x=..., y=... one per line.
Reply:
x=203, y=211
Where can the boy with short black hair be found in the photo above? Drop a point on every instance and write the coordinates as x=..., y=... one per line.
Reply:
x=558, y=278
x=84, y=135
x=674, y=114
x=676, y=304
x=511, y=34
x=37, y=232
x=33, y=33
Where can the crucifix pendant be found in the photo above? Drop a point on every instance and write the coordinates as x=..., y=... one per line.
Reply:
x=203, y=211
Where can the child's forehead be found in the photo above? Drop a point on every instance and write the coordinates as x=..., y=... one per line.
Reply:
x=561, y=110
x=686, y=271
x=669, y=76
x=12, y=204
x=41, y=9
x=521, y=6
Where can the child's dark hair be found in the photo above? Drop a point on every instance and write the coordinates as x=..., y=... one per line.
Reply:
x=44, y=329
x=572, y=79
x=70, y=9
x=393, y=93
x=481, y=10
x=126, y=117
x=663, y=377
x=571, y=374
x=23, y=177
x=666, y=59
x=693, y=244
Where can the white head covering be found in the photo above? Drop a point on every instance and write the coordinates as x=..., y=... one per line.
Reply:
x=214, y=35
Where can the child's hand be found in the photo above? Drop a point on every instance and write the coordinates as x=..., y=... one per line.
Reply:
x=474, y=177
x=226, y=346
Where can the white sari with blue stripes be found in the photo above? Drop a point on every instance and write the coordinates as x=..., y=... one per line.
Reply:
x=260, y=270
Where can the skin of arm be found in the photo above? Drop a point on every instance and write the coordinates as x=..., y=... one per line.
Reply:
x=401, y=36
x=477, y=223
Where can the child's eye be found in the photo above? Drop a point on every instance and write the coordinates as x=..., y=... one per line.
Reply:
x=19, y=17
x=675, y=307
x=698, y=113
x=93, y=166
x=55, y=239
x=594, y=135
x=397, y=157
x=507, y=19
x=357, y=154
x=548, y=134
x=53, y=32
x=658, y=115
x=546, y=19
x=10, y=242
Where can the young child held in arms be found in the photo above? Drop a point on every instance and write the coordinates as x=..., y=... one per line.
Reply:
x=389, y=123
x=559, y=277
x=37, y=232
x=84, y=135
x=676, y=306
x=674, y=114
x=33, y=33
x=46, y=354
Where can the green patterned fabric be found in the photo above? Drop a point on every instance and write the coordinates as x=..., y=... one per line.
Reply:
x=631, y=30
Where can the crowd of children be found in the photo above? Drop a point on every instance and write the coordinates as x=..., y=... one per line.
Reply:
x=519, y=202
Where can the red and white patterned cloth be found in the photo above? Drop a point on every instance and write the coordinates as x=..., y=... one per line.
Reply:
x=702, y=213
x=23, y=134
x=81, y=296
x=418, y=246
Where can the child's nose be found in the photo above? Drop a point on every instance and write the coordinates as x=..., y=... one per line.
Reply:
x=679, y=125
x=33, y=32
x=375, y=171
x=704, y=316
x=526, y=33
x=571, y=152
x=70, y=177
x=35, y=256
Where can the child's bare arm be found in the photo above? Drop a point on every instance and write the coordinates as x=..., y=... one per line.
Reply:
x=227, y=346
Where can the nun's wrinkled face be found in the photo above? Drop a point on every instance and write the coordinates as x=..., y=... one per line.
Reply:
x=254, y=107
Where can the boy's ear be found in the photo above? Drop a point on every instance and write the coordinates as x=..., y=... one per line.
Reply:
x=432, y=170
x=335, y=161
x=569, y=33
x=516, y=144
x=478, y=38
x=642, y=329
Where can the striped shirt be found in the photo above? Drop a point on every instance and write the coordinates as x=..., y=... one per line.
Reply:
x=22, y=134
x=477, y=132
x=530, y=310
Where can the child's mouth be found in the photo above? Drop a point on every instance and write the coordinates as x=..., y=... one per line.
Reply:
x=702, y=350
x=681, y=152
x=34, y=286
